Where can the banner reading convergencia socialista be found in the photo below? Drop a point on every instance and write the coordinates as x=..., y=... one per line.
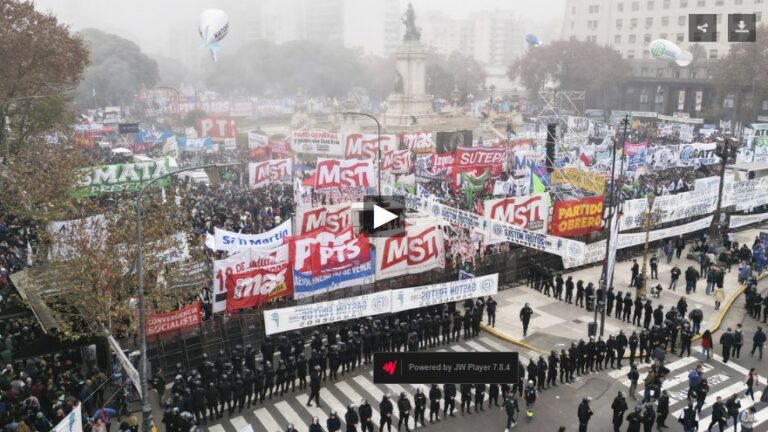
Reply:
x=577, y=217
x=173, y=320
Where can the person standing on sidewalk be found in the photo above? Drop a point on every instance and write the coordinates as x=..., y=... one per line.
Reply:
x=738, y=341
x=654, y=262
x=679, y=246
x=696, y=316
x=584, y=413
x=663, y=410
x=525, y=317
x=719, y=296
x=758, y=340
x=691, y=276
x=569, y=290
x=726, y=340
x=733, y=406
x=619, y=407
x=675, y=272
x=669, y=251
x=747, y=419
x=635, y=271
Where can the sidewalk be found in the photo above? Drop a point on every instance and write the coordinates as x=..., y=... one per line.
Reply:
x=555, y=324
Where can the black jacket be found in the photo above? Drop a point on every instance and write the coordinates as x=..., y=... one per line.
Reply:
x=584, y=412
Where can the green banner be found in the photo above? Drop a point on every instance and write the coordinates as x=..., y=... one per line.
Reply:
x=128, y=177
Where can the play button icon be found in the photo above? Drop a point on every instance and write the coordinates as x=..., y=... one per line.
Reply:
x=382, y=216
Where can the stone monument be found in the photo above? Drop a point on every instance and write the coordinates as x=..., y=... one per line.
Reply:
x=409, y=106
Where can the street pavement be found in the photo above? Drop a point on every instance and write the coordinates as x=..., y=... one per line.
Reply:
x=555, y=322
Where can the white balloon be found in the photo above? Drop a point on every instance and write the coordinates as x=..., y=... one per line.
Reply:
x=666, y=50
x=214, y=26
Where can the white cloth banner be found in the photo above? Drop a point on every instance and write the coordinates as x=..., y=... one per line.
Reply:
x=412, y=298
x=317, y=142
x=64, y=233
x=742, y=220
x=130, y=369
x=531, y=212
x=315, y=314
x=299, y=317
x=256, y=140
x=73, y=422
x=240, y=262
x=231, y=241
x=698, y=202
x=595, y=252
x=333, y=217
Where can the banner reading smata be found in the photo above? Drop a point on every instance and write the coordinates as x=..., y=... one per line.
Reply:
x=429, y=295
x=231, y=241
x=128, y=177
x=582, y=179
x=169, y=321
x=577, y=217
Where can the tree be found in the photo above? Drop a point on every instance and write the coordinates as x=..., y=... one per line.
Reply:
x=117, y=72
x=573, y=65
x=41, y=64
x=744, y=73
x=455, y=71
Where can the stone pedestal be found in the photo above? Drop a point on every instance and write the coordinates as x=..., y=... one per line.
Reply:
x=410, y=105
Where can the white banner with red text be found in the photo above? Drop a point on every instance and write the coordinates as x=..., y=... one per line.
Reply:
x=231, y=241
x=261, y=174
x=422, y=248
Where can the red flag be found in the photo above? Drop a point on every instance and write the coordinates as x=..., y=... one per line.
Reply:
x=257, y=286
x=585, y=159
x=335, y=258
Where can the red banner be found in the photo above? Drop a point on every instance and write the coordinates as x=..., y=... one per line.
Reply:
x=174, y=320
x=577, y=217
x=476, y=160
x=255, y=287
x=280, y=149
x=334, y=218
x=335, y=258
x=334, y=173
x=396, y=161
x=366, y=146
x=217, y=127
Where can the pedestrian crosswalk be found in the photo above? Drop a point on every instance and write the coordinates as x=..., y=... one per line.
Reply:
x=724, y=379
x=274, y=416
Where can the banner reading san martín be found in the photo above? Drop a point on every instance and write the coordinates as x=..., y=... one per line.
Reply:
x=173, y=320
x=127, y=177
x=577, y=217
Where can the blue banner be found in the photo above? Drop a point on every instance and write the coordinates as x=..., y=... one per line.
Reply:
x=305, y=285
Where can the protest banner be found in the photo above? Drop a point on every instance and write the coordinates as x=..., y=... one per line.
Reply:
x=417, y=142
x=275, y=171
x=334, y=218
x=280, y=149
x=475, y=161
x=585, y=180
x=72, y=422
x=129, y=368
x=257, y=286
x=305, y=283
x=494, y=230
x=174, y=320
x=239, y=262
x=257, y=140
x=396, y=161
x=217, y=127
x=335, y=173
x=455, y=291
x=230, y=241
x=65, y=233
x=743, y=220
x=451, y=141
x=316, y=142
x=530, y=212
x=327, y=259
x=419, y=250
x=695, y=154
x=328, y=312
x=366, y=146
x=577, y=217
x=128, y=177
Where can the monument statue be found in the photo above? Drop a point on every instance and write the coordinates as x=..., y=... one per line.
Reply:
x=412, y=33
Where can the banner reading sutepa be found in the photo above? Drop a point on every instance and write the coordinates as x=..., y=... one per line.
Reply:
x=261, y=174
x=300, y=317
x=231, y=241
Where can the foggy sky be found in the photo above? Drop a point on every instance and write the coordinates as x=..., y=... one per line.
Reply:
x=151, y=23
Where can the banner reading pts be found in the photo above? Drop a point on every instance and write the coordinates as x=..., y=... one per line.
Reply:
x=443, y=368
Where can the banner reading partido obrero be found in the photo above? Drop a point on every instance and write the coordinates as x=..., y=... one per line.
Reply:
x=577, y=217
x=299, y=317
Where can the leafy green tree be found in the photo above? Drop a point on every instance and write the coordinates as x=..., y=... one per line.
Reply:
x=42, y=62
x=573, y=65
x=744, y=73
x=117, y=72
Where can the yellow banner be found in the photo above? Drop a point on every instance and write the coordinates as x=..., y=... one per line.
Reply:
x=581, y=179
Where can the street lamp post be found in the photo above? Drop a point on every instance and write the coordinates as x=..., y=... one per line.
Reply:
x=725, y=151
x=378, y=131
x=611, y=241
x=650, y=218
x=143, y=367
